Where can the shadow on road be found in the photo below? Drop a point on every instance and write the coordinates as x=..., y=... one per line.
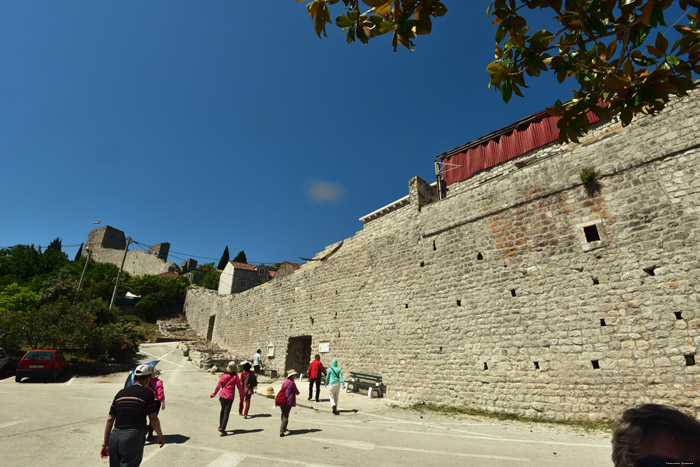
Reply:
x=348, y=411
x=62, y=378
x=302, y=432
x=173, y=439
x=260, y=415
x=243, y=432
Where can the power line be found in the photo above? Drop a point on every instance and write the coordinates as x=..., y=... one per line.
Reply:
x=187, y=255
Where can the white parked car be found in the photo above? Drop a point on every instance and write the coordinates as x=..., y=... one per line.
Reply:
x=3, y=359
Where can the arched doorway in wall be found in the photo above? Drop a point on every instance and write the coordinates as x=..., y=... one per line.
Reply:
x=298, y=354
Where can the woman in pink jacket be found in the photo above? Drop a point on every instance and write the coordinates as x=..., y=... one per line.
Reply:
x=228, y=383
x=156, y=385
x=291, y=392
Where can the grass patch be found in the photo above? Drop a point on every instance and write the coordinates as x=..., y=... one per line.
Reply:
x=589, y=426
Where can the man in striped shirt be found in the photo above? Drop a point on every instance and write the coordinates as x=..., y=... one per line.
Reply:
x=127, y=415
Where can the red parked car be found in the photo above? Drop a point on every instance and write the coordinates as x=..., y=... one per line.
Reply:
x=42, y=363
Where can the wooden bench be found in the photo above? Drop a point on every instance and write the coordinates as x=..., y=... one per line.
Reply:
x=363, y=380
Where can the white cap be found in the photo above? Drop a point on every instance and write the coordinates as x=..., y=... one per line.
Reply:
x=143, y=370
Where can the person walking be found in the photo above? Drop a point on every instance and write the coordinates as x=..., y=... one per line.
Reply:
x=228, y=383
x=249, y=382
x=290, y=392
x=334, y=379
x=256, y=362
x=315, y=373
x=126, y=424
x=156, y=385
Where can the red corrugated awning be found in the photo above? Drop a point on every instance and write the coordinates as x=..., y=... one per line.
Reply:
x=503, y=145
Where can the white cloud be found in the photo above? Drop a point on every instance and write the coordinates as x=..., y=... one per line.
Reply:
x=324, y=192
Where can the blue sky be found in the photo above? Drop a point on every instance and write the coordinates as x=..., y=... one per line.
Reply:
x=206, y=124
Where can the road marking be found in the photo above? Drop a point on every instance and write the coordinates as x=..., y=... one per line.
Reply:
x=364, y=427
x=370, y=447
x=81, y=422
x=558, y=443
x=457, y=454
x=162, y=359
x=282, y=460
x=361, y=445
x=458, y=434
x=229, y=459
x=153, y=453
x=9, y=424
x=429, y=425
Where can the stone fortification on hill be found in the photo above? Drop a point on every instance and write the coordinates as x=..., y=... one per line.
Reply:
x=107, y=246
x=521, y=292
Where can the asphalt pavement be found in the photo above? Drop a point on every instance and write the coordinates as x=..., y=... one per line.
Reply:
x=61, y=424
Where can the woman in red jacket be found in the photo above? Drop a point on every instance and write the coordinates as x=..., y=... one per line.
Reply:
x=228, y=383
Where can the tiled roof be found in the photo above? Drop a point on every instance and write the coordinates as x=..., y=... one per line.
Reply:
x=247, y=266
x=169, y=274
x=293, y=265
x=272, y=274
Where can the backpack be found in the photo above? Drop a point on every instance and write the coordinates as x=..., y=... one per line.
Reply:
x=252, y=381
x=281, y=399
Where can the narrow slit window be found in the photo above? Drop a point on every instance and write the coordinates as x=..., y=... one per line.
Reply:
x=459, y=302
x=512, y=293
x=591, y=232
x=537, y=365
x=422, y=263
x=479, y=256
x=434, y=247
x=596, y=281
x=679, y=314
x=486, y=366
x=650, y=270
x=689, y=360
x=596, y=365
x=602, y=322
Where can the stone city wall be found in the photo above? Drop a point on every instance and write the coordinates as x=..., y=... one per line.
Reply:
x=107, y=245
x=137, y=262
x=494, y=297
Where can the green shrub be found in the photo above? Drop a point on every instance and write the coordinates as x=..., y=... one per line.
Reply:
x=129, y=319
x=589, y=176
x=118, y=341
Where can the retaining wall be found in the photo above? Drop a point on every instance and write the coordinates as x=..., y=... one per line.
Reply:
x=495, y=298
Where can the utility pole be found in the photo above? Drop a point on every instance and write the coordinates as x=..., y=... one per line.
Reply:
x=119, y=276
x=80, y=285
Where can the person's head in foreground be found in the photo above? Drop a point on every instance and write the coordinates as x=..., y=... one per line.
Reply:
x=655, y=435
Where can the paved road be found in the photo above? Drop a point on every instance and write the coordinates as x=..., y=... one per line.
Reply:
x=60, y=424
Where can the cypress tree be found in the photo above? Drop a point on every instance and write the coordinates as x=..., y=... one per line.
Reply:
x=80, y=252
x=240, y=257
x=55, y=245
x=224, y=259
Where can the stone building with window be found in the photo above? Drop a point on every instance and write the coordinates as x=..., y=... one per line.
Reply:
x=239, y=277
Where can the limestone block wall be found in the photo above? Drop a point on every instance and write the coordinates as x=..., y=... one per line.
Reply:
x=107, y=244
x=500, y=296
x=137, y=262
